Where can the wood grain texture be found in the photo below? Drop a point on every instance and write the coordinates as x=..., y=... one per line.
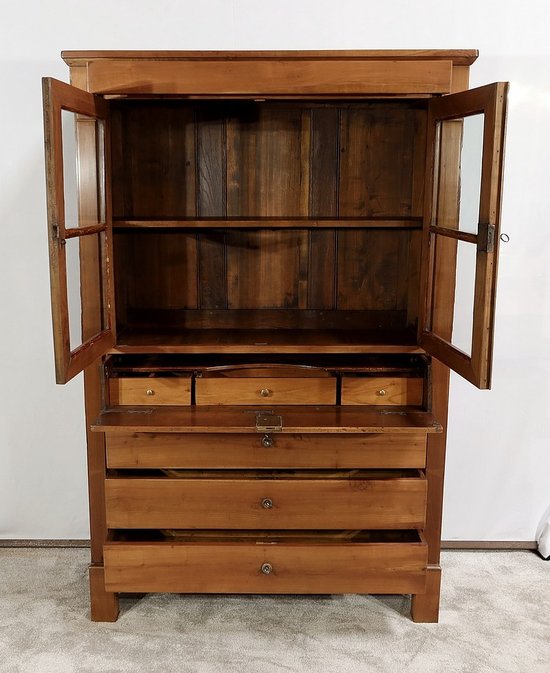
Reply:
x=237, y=503
x=250, y=340
x=320, y=222
x=296, y=420
x=270, y=77
x=154, y=162
x=265, y=391
x=425, y=606
x=382, y=390
x=457, y=56
x=296, y=569
x=103, y=603
x=150, y=391
x=161, y=270
x=164, y=450
x=256, y=276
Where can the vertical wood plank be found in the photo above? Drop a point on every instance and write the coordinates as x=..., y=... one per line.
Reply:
x=211, y=202
x=157, y=169
x=376, y=161
x=263, y=268
x=264, y=162
x=369, y=273
x=164, y=270
x=323, y=203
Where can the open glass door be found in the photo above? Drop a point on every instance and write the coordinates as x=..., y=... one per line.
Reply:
x=461, y=229
x=79, y=226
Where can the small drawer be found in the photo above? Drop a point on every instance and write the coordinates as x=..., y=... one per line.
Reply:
x=382, y=390
x=392, y=562
x=356, y=500
x=265, y=390
x=277, y=450
x=150, y=391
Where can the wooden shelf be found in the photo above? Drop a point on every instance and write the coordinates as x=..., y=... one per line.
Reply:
x=154, y=340
x=270, y=223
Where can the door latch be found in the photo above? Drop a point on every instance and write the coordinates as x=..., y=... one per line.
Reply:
x=268, y=422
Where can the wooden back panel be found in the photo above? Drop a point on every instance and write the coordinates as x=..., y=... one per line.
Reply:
x=360, y=162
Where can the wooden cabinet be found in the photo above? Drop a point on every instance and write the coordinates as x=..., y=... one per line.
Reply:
x=265, y=263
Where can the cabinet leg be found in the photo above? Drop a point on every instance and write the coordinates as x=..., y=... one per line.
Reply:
x=425, y=607
x=103, y=604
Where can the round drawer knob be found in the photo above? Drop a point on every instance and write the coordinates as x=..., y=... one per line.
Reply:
x=150, y=391
x=381, y=392
x=267, y=441
x=265, y=392
x=267, y=568
x=267, y=503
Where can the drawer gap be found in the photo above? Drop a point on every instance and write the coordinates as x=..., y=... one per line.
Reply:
x=266, y=474
x=176, y=536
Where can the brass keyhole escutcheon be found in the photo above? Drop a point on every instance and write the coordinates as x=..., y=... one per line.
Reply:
x=267, y=441
x=267, y=568
x=265, y=392
x=267, y=503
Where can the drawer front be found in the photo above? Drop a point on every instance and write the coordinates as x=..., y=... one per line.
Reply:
x=265, y=390
x=268, y=504
x=266, y=568
x=171, y=450
x=150, y=391
x=382, y=390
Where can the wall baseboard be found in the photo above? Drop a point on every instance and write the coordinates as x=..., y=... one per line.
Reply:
x=488, y=545
x=503, y=545
x=60, y=544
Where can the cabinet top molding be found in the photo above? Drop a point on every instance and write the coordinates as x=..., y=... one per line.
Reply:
x=457, y=56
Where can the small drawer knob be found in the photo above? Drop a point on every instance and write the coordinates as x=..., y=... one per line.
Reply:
x=267, y=441
x=267, y=568
x=149, y=391
x=381, y=392
x=267, y=503
x=265, y=392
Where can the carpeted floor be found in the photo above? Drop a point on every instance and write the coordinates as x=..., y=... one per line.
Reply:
x=495, y=617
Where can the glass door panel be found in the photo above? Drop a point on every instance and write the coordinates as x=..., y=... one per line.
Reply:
x=79, y=226
x=461, y=228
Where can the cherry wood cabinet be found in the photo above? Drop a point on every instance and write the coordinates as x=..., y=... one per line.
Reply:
x=265, y=264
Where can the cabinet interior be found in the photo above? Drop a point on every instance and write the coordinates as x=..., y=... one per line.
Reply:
x=267, y=226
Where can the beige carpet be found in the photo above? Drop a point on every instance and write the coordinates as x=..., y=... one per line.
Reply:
x=495, y=617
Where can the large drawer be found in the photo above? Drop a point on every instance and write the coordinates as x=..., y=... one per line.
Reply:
x=396, y=563
x=360, y=500
x=265, y=390
x=277, y=450
x=149, y=391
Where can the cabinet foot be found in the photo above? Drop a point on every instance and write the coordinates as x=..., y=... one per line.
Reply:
x=425, y=607
x=103, y=604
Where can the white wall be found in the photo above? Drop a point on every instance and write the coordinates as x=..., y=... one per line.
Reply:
x=498, y=477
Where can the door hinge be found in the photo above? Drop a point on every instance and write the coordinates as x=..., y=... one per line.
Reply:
x=487, y=232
